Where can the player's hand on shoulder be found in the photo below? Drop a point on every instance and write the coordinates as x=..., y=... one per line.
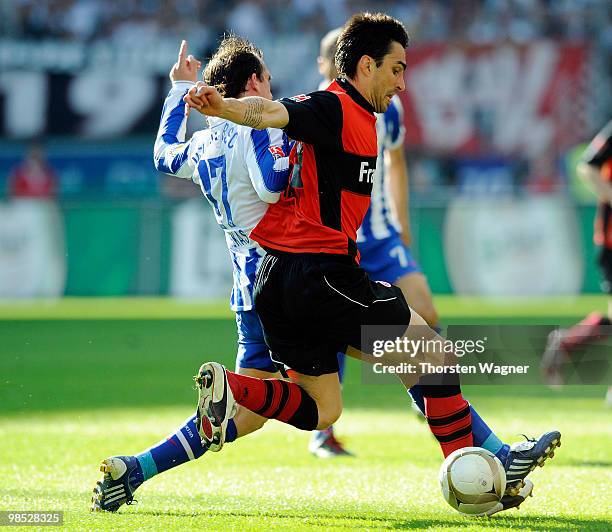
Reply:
x=187, y=66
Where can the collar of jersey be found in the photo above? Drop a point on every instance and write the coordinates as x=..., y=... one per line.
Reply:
x=347, y=86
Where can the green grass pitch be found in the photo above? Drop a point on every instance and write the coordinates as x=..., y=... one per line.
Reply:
x=82, y=379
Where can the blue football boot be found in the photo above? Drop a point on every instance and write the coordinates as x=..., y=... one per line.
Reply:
x=122, y=475
x=525, y=456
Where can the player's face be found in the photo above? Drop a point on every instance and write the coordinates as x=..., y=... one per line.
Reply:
x=389, y=77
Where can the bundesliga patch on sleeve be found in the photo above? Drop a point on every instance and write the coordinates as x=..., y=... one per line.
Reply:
x=276, y=151
x=300, y=98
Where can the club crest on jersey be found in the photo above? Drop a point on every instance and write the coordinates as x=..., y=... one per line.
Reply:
x=276, y=151
x=300, y=98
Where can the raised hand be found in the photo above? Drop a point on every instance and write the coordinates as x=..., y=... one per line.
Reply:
x=186, y=68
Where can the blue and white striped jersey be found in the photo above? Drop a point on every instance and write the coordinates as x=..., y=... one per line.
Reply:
x=380, y=221
x=240, y=171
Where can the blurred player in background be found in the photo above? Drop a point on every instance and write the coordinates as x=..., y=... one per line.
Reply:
x=384, y=236
x=33, y=177
x=596, y=167
x=240, y=171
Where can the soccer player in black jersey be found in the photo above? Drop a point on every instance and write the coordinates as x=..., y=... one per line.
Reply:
x=312, y=297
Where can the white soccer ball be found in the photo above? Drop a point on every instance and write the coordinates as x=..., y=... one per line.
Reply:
x=473, y=480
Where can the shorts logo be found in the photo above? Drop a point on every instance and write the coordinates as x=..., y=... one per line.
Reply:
x=276, y=151
x=384, y=283
x=300, y=98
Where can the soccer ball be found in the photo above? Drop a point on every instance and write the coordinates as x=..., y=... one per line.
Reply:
x=473, y=480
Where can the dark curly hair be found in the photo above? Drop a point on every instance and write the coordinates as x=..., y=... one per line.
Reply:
x=232, y=65
x=367, y=34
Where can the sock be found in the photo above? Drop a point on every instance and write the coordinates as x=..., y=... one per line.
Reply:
x=592, y=328
x=341, y=363
x=320, y=435
x=231, y=432
x=275, y=399
x=448, y=415
x=181, y=446
x=416, y=393
x=483, y=435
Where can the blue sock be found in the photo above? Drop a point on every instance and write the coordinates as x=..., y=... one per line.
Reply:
x=417, y=396
x=486, y=437
x=341, y=361
x=483, y=435
x=231, y=433
x=181, y=446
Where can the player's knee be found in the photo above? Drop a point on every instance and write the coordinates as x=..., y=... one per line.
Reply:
x=328, y=416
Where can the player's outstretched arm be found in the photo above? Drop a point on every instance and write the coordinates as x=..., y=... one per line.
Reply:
x=251, y=111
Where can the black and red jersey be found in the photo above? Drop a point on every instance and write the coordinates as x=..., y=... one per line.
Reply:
x=331, y=182
x=599, y=154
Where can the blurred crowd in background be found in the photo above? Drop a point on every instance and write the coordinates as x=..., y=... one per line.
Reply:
x=203, y=20
x=482, y=80
x=501, y=97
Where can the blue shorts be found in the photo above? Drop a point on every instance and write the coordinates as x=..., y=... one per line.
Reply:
x=253, y=353
x=387, y=259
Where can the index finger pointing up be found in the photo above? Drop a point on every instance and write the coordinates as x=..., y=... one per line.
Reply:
x=182, y=52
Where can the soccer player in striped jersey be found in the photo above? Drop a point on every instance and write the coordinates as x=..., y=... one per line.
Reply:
x=384, y=236
x=240, y=171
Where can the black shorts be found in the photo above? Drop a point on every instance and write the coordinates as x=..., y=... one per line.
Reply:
x=313, y=306
x=605, y=263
